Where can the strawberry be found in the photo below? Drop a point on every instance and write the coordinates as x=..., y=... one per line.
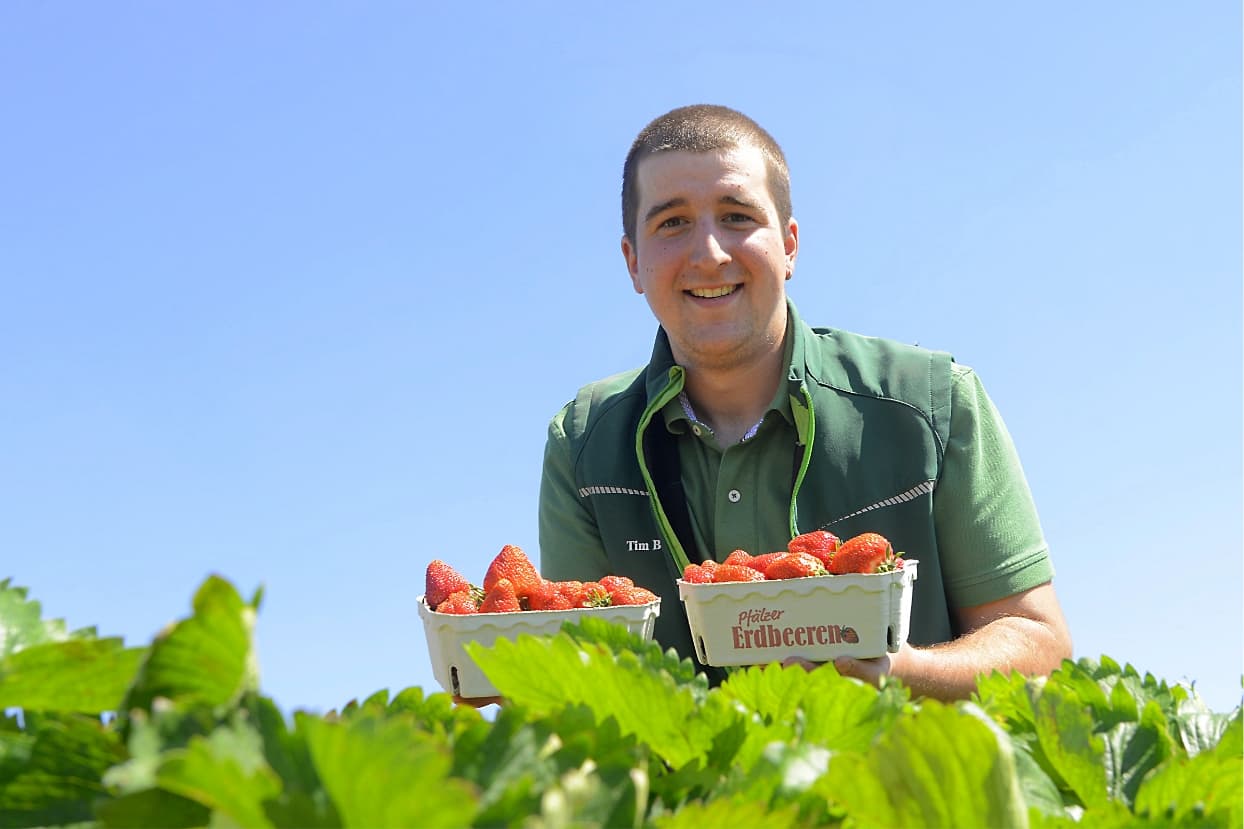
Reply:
x=592, y=594
x=441, y=580
x=795, y=566
x=711, y=565
x=633, y=596
x=612, y=583
x=736, y=572
x=459, y=603
x=761, y=562
x=548, y=597
x=864, y=553
x=817, y=543
x=739, y=557
x=500, y=599
x=569, y=589
x=697, y=574
x=512, y=564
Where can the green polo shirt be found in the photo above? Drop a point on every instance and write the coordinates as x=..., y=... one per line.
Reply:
x=739, y=497
x=988, y=539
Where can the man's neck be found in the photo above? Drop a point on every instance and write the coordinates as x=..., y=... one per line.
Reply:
x=733, y=400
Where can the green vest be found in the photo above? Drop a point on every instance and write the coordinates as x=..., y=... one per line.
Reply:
x=873, y=417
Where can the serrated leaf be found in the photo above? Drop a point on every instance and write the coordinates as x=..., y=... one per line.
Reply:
x=88, y=676
x=385, y=772
x=1133, y=750
x=941, y=766
x=52, y=771
x=207, y=658
x=545, y=674
x=618, y=638
x=1205, y=787
x=21, y=621
x=828, y=709
x=1197, y=726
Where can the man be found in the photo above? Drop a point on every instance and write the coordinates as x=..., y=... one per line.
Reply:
x=747, y=427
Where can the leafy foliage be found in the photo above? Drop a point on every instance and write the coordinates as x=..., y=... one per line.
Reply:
x=599, y=728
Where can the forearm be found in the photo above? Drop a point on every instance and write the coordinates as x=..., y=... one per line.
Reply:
x=1011, y=643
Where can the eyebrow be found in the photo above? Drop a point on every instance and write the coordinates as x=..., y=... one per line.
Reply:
x=679, y=202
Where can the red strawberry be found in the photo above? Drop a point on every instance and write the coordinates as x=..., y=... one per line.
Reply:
x=440, y=581
x=697, y=574
x=501, y=599
x=761, y=562
x=817, y=543
x=711, y=565
x=612, y=583
x=569, y=589
x=459, y=603
x=633, y=596
x=548, y=597
x=736, y=572
x=591, y=594
x=739, y=557
x=795, y=566
x=512, y=564
x=862, y=554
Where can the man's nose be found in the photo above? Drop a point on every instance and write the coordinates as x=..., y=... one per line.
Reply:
x=707, y=250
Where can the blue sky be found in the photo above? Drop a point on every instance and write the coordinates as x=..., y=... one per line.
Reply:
x=289, y=291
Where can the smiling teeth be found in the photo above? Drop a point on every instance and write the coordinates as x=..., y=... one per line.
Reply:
x=709, y=293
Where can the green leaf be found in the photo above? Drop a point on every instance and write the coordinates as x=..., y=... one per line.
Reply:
x=22, y=624
x=941, y=766
x=545, y=674
x=1133, y=750
x=823, y=707
x=618, y=638
x=50, y=772
x=1065, y=734
x=1197, y=726
x=385, y=772
x=732, y=811
x=152, y=809
x=89, y=676
x=225, y=771
x=207, y=658
x=1206, y=789
x=1040, y=792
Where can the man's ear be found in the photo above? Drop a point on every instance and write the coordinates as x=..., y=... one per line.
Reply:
x=632, y=263
x=791, y=245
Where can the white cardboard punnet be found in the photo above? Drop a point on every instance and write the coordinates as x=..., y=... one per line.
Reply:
x=818, y=618
x=457, y=672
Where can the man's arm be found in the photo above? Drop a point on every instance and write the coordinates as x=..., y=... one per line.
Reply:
x=1025, y=632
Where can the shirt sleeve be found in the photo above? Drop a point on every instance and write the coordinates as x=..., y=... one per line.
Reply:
x=570, y=543
x=989, y=536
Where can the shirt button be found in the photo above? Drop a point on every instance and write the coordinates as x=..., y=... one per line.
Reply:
x=734, y=495
x=696, y=429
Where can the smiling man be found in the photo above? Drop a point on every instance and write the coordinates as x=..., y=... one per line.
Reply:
x=748, y=427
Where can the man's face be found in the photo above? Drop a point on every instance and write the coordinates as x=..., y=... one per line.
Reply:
x=711, y=255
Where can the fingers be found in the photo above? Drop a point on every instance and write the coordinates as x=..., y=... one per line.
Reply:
x=477, y=702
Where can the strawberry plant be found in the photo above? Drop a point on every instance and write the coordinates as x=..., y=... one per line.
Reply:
x=600, y=728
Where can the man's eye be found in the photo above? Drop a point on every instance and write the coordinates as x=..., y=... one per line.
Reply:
x=672, y=221
x=737, y=217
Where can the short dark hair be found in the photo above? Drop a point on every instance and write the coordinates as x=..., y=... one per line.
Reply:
x=702, y=128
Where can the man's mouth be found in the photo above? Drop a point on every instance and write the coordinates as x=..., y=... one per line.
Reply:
x=713, y=293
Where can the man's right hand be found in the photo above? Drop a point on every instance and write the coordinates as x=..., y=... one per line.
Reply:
x=477, y=702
